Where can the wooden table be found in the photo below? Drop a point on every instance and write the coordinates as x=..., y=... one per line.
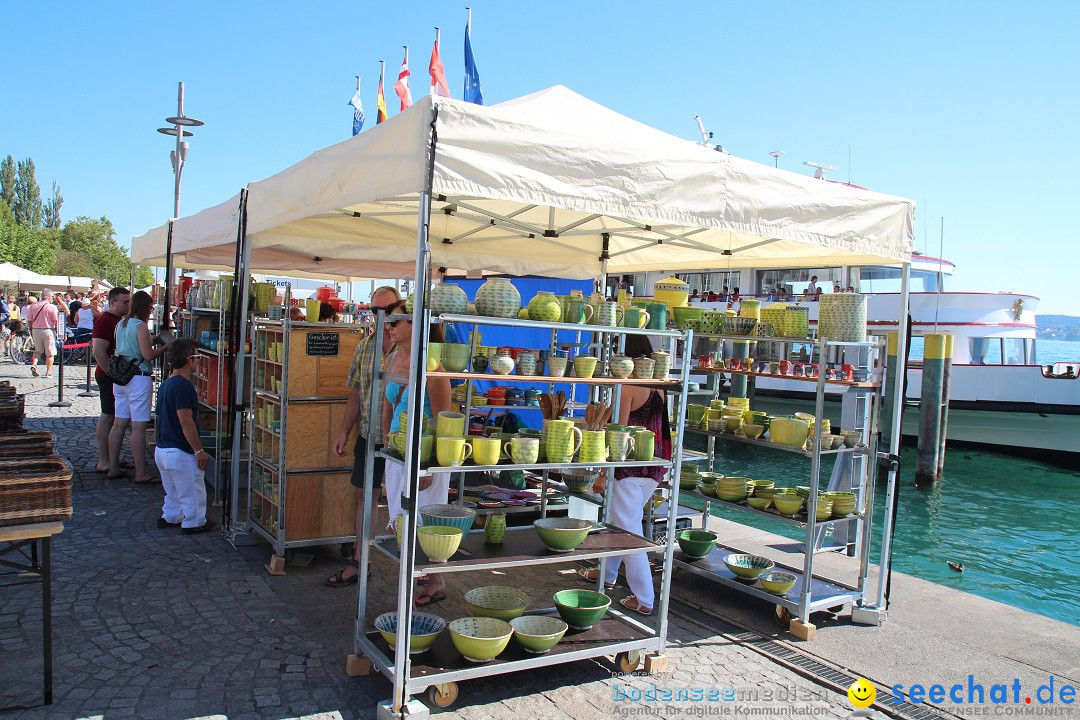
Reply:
x=13, y=541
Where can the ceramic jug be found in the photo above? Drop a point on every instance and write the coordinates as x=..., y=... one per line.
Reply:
x=609, y=314
x=498, y=298
x=545, y=307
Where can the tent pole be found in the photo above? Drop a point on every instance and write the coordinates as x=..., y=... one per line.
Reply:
x=165, y=310
x=895, y=439
x=239, y=330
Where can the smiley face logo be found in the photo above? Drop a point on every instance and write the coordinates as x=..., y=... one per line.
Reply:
x=861, y=693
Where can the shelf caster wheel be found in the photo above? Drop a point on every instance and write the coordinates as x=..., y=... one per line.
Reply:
x=627, y=662
x=782, y=616
x=443, y=695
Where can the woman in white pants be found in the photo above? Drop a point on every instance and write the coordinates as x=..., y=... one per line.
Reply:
x=635, y=486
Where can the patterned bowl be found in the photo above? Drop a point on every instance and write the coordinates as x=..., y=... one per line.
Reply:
x=448, y=515
x=777, y=582
x=538, y=633
x=581, y=609
x=748, y=567
x=738, y=325
x=504, y=603
x=579, y=482
x=425, y=628
x=480, y=639
x=439, y=542
x=562, y=534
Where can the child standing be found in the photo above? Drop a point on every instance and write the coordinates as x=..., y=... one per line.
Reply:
x=179, y=455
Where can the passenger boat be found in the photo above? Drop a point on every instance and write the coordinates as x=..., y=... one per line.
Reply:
x=1000, y=394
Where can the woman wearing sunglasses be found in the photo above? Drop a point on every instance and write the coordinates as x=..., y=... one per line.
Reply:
x=433, y=489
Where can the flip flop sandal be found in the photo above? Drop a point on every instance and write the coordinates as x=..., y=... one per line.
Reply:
x=589, y=576
x=118, y=476
x=147, y=481
x=126, y=465
x=637, y=606
x=339, y=580
x=431, y=598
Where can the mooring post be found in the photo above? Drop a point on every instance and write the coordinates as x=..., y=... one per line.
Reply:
x=946, y=382
x=885, y=417
x=930, y=420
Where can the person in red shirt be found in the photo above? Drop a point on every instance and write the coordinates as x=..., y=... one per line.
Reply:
x=44, y=319
x=104, y=342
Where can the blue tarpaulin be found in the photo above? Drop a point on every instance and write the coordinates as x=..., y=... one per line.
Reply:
x=528, y=338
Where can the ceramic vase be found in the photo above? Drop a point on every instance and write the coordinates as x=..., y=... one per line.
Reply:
x=495, y=528
x=621, y=366
x=502, y=364
x=545, y=307
x=526, y=364
x=661, y=365
x=448, y=298
x=498, y=298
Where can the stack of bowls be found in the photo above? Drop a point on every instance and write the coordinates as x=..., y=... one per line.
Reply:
x=449, y=516
x=768, y=492
x=824, y=509
x=689, y=478
x=495, y=601
x=739, y=402
x=753, y=487
x=843, y=503
x=851, y=437
x=787, y=503
x=731, y=489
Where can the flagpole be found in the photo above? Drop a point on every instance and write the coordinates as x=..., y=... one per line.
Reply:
x=437, y=33
x=468, y=21
x=357, y=83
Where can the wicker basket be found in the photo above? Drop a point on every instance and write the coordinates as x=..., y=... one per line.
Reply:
x=30, y=444
x=34, y=490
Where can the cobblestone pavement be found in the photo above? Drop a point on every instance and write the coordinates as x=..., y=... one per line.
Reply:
x=152, y=624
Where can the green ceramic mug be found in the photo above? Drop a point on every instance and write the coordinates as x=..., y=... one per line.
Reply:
x=593, y=446
x=577, y=311
x=523, y=450
x=560, y=442
x=635, y=317
x=644, y=445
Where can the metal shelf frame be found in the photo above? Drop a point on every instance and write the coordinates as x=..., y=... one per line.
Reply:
x=405, y=673
x=862, y=402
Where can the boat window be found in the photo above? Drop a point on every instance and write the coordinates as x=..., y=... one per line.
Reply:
x=710, y=281
x=986, y=351
x=887, y=279
x=1014, y=353
x=1029, y=351
x=795, y=280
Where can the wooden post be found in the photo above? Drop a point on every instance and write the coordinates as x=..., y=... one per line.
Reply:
x=946, y=382
x=930, y=416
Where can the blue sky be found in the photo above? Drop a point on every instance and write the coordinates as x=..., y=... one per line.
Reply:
x=968, y=108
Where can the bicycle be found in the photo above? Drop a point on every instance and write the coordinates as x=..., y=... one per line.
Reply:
x=22, y=349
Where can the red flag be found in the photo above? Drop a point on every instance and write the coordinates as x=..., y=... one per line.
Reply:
x=438, y=74
x=401, y=87
x=380, y=104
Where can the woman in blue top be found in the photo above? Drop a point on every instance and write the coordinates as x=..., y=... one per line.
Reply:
x=434, y=490
x=133, y=400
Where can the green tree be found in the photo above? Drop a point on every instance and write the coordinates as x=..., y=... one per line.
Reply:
x=27, y=207
x=50, y=209
x=25, y=247
x=144, y=276
x=95, y=240
x=7, y=181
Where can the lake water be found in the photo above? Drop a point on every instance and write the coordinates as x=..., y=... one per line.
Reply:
x=1010, y=521
x=1051, y=351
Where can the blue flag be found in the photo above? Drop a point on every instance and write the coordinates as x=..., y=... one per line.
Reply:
x=358, y=113
x=472, y=76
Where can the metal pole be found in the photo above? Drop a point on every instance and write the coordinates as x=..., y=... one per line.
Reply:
x=61, y=331
x=894, y=441
x=238, y=375
x=933, y=368
x=89, y=363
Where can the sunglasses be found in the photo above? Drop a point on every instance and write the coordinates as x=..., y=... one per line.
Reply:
x=394, y=323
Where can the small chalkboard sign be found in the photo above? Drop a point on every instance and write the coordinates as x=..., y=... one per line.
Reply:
x=322, y=344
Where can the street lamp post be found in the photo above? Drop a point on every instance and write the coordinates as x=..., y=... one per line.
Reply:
x=178, y=158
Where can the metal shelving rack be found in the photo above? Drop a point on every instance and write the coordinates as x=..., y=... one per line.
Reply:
x=271, y=465
x=861, y=402
x=618, y=634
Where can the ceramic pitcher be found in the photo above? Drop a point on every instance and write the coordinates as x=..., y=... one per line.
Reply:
x=577, y=311
x=593, y=446
x=658, y=314
x=609, y=314
x=563, y=440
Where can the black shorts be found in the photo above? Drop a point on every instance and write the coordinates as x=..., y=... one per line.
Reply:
x=360, y=461
x=105, y=395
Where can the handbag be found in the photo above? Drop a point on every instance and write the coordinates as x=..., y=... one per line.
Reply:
x=122, y=369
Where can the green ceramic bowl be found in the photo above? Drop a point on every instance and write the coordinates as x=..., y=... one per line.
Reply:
x=787, y=503
x=538, y=633
x=709, y=490
x=760, y=503
x=696, y=543
x=758, y=485
x=803, y=491
x=581, y=609
x=439, y=542
x=688, y=481
x=562, y=534
x=777, y=582
x=731, y=497
x=747, y=567
x=495, y=601
x=480, y=639
x=711, y=478
x=768, y=492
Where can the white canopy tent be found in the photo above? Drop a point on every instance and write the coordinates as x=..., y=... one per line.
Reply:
x=12, y=275
x=536, y=186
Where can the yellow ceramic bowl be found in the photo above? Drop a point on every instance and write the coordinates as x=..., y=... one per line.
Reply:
x=789, y=431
